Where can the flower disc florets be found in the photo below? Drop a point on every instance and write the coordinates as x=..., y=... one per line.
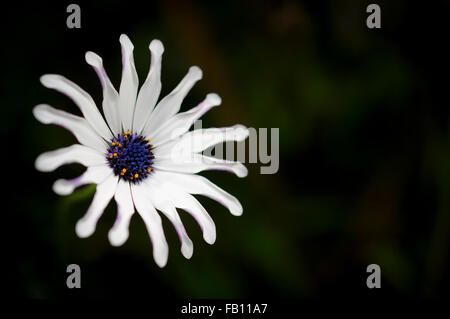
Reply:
x=130, y=156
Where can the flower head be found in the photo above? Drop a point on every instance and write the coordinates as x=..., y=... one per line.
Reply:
x=143, y=155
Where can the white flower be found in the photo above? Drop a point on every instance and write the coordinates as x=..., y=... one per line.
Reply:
x=125, y=164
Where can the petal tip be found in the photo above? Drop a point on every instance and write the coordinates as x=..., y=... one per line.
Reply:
x=161, y=260
x=241, y=132
x=187, y=250
x=84, y=229
x=47, y=80
x=242, y=171
x=40, y=164
x=214, y=99
x=156, y=47
x=52, y=81
x=209, y=237
x=62, y=187
x=93, y=59
x=116, y=238
x=39, y=113
x=237, y=210
x=126, y=42
x=196, y=72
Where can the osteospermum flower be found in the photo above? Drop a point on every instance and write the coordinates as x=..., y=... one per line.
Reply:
x=143, y=156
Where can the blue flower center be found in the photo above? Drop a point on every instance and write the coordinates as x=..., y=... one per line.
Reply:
x=130, y=156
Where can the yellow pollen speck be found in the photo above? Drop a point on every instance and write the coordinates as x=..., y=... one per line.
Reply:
x=110, y=156
x=113, y=144
x=149, y=140
x=120, y=145
x=131, y=177
x=149, y=169
x=124, y=170
x=122, y=173
x=115, y=154
x=136, y=175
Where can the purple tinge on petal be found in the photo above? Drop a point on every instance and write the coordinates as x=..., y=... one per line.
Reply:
x=123, y=58
x=202, y=109
x=100, y=76
x=118, y=219
x=197, y=221
x=76, y=179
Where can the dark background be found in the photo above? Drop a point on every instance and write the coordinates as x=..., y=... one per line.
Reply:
x=364, y=148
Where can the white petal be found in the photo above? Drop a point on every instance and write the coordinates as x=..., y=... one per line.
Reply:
x=161, y=198
x=49, y=161
x=153, y=223
x=125, y=209
x=187, y=247
x=200, y=140
x=77, y=125
x=195, y=163
x=93, y=175
x=180, y=123
x=170, y=105
x=128, y=85
x=81, y=98
x=110, y=96
x=196, y=184
x=149, y=92
x=188, y=203
x=105, y=191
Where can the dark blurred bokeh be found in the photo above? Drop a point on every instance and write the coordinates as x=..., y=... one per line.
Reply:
x=364, y=148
